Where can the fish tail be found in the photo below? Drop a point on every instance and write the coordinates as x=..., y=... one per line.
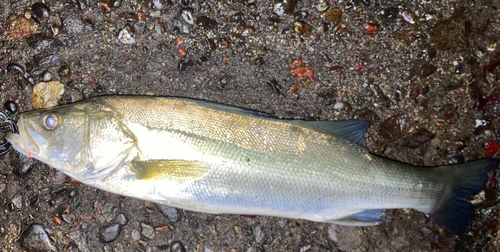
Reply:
x=454, y=211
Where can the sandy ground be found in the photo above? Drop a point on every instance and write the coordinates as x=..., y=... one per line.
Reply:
x=423, y=72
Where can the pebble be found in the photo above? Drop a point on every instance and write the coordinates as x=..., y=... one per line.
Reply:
x=109, y=233
x=116, y=3
x=11, y=106
x=148, y=231
x=122, y=219
x=258, y=234
x=47, y=76
x=300, y=15
x=135, y=235
x=68, y=218
x=160, y=4
x=40, y=12
x=15, y=68
x=35, y=238
x=127, y=35
x=322, y=5
x=333, y=16
x=149, y=210
x=285, y=7
x=177, y=246
x=2, y=187
x=47, y=94
x=18, y=27
x=73, y=193
x=17, y=201
x=238, y=229
x=172, y=213
x=302, y=28
x=105, y=6
x=187, y=15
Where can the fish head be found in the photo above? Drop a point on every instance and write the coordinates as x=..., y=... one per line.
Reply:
x=55, y=136
x=85, y=140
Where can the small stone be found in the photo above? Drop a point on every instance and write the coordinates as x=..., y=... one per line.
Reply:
x=35, y=238
x=68, y=218
x=110, y=25
x=18, y=201
x=302, y=28
x=127, y=35
x=122, y=219
x=300, y=15
x=149, y=210
x=333, y=16
x=148, y=231
x=177, y=246
x=40, y=12
x=238, y=229
x=285, y=7
x=187, y=15
x=258, y=234
x=15, y=68
x=116, y=3
x=2, y=187
x=322, y=5
x=11, y=106
x=47, y=94
x=301, y=69
x=160, y=4
x=73, y=193
x=18, y=27
x=135, y=235
x=109, y=233
x=105, y=6
x=47, y=76
x=172, y=213
x=54, y=29
x=25, y=165
x=410, y=17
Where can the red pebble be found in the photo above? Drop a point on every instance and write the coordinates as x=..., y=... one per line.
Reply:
x=491, y=148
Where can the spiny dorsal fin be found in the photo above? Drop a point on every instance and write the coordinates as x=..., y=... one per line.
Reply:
x=353, y=130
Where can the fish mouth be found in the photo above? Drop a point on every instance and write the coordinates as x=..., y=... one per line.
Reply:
x=22, y=142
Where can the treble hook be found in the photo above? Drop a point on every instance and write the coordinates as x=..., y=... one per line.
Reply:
x=5, y=147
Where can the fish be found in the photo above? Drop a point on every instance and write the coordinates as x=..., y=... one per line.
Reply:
x=207, y=157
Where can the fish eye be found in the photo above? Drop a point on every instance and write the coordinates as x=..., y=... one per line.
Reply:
x=50, y=121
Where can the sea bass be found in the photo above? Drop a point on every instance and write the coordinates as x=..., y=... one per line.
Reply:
x=211, y=158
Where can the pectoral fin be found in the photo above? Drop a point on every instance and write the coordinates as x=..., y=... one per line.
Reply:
x=369, y=217
x=176, y=170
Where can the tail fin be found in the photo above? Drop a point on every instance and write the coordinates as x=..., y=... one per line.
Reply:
x=456, y=213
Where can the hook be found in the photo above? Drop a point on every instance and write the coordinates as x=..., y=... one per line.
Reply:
x=5, y=147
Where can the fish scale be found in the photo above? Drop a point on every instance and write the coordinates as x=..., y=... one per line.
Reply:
x=212, y=158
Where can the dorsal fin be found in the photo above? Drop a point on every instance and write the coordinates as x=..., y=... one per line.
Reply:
x=353, y=130
x=230, y=109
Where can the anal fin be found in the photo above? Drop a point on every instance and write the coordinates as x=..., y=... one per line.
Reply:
x=369, y=217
